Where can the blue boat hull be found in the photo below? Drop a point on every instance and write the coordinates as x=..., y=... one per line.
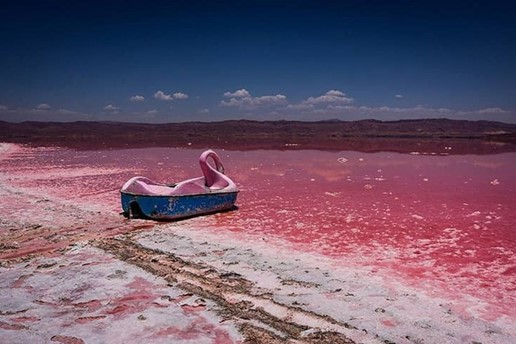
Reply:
x=175, y=207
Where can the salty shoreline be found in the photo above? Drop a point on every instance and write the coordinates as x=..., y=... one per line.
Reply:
x=242, y=288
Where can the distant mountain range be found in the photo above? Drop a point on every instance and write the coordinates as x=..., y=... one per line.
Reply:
x=427, y=135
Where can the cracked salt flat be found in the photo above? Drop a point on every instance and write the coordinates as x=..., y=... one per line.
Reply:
x=367, y=301
x=88, y=296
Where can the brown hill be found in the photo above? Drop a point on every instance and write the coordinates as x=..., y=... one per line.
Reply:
x=426, y=135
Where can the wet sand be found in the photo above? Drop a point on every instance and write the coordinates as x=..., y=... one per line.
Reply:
x=344, y=269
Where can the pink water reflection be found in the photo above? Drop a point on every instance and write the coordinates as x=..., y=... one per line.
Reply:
x=442, y=223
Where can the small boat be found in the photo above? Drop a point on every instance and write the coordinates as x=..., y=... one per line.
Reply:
x=213, y=192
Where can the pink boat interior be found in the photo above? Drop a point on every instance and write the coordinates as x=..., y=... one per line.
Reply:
x=213, y=181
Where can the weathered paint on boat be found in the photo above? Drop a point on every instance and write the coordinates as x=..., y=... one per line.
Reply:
x=214, y=192
x=176, y=207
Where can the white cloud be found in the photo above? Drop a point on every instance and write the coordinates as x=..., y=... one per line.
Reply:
x=352, y=112
x=237, y=94
x=489, y=111
x=151, y=112
x=301, y=107
x=330, y=97
x=242, y=99
x=163, y=96
x=137, y=98
x=67, y=112
x=204, y=111
x=111, y=107
x=35, y=114
x=180, y=95
x=43, y=107
x=335, y=93
x=335, y=104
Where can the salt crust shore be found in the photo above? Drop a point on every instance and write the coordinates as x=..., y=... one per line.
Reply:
x=366, y=300
x=87, y=296
x=83, y=293
x=8, y=148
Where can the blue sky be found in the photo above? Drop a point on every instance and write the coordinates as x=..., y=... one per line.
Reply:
x=175, y=61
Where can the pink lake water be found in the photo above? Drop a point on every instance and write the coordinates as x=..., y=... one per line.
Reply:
x=443, y=223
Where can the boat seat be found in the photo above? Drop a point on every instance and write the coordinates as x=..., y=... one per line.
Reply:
x=145, y=186
x=191, y=187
